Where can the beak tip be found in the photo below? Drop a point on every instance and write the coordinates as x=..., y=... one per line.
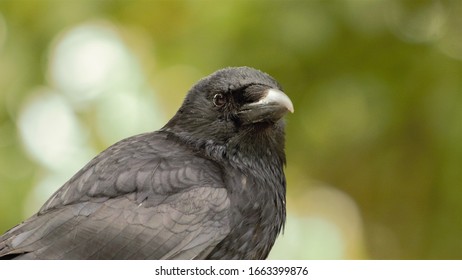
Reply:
x=275, y=95
x=291, y=108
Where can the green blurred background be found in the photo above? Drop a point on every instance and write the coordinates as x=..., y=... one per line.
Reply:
x=374, y=147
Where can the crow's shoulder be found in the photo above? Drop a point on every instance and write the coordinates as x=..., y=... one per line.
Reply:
x=151, y=165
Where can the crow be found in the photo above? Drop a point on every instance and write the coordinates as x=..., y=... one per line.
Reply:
x=210, y=184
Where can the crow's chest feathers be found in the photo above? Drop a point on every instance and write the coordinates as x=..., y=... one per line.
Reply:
x=258, y=215
x=258, y=199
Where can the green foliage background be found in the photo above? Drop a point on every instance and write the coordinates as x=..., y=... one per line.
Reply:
x=377, y=89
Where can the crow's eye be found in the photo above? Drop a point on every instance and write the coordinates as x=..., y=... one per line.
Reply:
x=219, y=100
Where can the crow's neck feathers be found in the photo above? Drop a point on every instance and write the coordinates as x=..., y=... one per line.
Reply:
x=254, y=146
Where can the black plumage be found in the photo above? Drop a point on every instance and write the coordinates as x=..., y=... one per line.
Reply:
x=208, y=185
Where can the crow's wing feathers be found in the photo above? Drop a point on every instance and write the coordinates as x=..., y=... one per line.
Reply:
x=121, y=229
x=161, y=203
x=150, y=165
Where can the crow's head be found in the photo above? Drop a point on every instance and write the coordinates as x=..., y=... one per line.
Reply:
x=231, y=101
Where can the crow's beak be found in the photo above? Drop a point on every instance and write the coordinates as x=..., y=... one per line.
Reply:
x=272, y=106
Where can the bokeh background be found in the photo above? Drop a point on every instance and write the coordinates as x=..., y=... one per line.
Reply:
x=374, y=147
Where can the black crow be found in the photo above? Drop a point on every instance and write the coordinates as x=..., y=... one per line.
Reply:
x=208, y=185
